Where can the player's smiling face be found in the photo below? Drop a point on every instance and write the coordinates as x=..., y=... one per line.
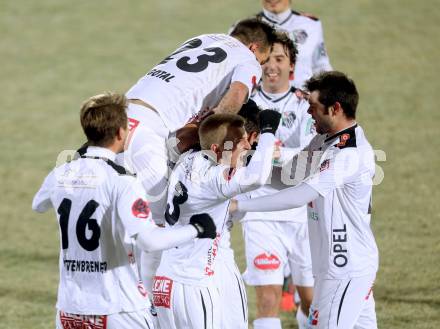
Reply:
x=276, y=6
x=320, y=113
x=235, y=158
x=277, y=70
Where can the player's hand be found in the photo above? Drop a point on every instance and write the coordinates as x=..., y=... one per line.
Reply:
x=204, y=225
x=269, y=121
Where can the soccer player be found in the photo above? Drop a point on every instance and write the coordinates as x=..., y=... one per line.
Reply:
x=103, y=215
x=337, y=190
x=227, y=278
x=204, y=181
x=215, y=71
x=282, y=240
x=307, y=33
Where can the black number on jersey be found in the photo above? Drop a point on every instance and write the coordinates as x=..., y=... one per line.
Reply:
x=202, y=60
x=84, y=222
x=191, y=44
x=180, y=197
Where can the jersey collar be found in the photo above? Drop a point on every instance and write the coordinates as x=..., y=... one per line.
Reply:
x=345, y=131
x=279, y=98
x=279, y=19
x=102, y=152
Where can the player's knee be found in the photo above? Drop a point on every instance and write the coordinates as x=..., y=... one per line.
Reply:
x=268, y=302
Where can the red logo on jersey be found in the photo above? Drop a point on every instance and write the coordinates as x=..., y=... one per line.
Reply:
x=141, y=289
x=267, y=262
x=254, y=80
x=343, y=139
x=140, y=208
x=162, y=287
x=74, y=321
x=325, y=165
x=132, y=124
x=313, y=317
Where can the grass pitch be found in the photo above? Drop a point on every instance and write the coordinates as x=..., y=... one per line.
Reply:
x=56, y=53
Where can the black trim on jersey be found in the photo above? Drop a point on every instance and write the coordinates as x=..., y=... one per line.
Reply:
x=119, y=169
x=241, y=297
x=262, y=15
x=291, y=90
x=146, y=321
x=350, y=142
x=342, y=300
x=204, y=310
x=83, y=149
x=212, y=308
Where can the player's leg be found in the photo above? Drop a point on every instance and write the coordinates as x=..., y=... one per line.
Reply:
x=232, y=292
x=342, y=304
x=300, y=263
x=265, y=259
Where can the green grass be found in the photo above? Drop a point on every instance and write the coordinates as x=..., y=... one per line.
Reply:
x=56, y=53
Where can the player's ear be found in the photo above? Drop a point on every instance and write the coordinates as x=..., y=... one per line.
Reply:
x=253, y=47
x=337, y=108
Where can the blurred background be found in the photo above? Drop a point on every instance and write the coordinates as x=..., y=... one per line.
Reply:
x=55, y=53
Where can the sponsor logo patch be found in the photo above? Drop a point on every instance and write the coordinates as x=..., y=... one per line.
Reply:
x=162, y=287
x=343, y=139
x=140, y=209
x=267, y=262
x=78, y=321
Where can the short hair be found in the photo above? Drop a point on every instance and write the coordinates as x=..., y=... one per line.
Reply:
x=334, y=86
x=254, y=30
x=288, y=44
x=220, y=128
x=101, y=117
x=250, y=111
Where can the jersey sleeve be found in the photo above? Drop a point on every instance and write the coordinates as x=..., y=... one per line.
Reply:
x=255, y=174
x=248, y=73
x=320, y=60
x=133, y=208
x=41, y=201
x=336, y=169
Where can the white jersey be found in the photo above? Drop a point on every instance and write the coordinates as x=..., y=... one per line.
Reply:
x=307, y=33
x=100, y=210
x=195, y=77
x=341, y=241
x=294, y=132
x=198, y=184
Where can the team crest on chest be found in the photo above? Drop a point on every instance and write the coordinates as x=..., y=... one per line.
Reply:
x=300, y=36
x=288, y=119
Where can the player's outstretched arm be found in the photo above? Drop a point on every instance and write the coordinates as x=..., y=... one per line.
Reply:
x=234, y=98
x=160, y=238
x=292, y=197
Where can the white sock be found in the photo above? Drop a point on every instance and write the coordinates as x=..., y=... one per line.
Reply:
x=267, y=323
x=301, y=318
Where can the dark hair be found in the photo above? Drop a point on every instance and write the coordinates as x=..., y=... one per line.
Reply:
x=250, y=111
x=289, y=46
x=334, y=86
x=101, y=117
x=220, y=128
x=254, y=30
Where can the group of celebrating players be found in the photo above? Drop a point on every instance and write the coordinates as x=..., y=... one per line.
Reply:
x=251, y=126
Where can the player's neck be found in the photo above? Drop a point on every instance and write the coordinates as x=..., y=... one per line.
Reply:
x=275, y=92
x=277, y=17
x=341, y=126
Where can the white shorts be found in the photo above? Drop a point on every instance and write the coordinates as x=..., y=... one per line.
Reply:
x=147, y=155
x=139, y=319
x=343, y=304
x=270, y=246
x=232, y=291
x=181, y=306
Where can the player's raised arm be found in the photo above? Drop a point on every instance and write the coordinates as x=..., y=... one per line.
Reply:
x=234, y=98
x=239, y=180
